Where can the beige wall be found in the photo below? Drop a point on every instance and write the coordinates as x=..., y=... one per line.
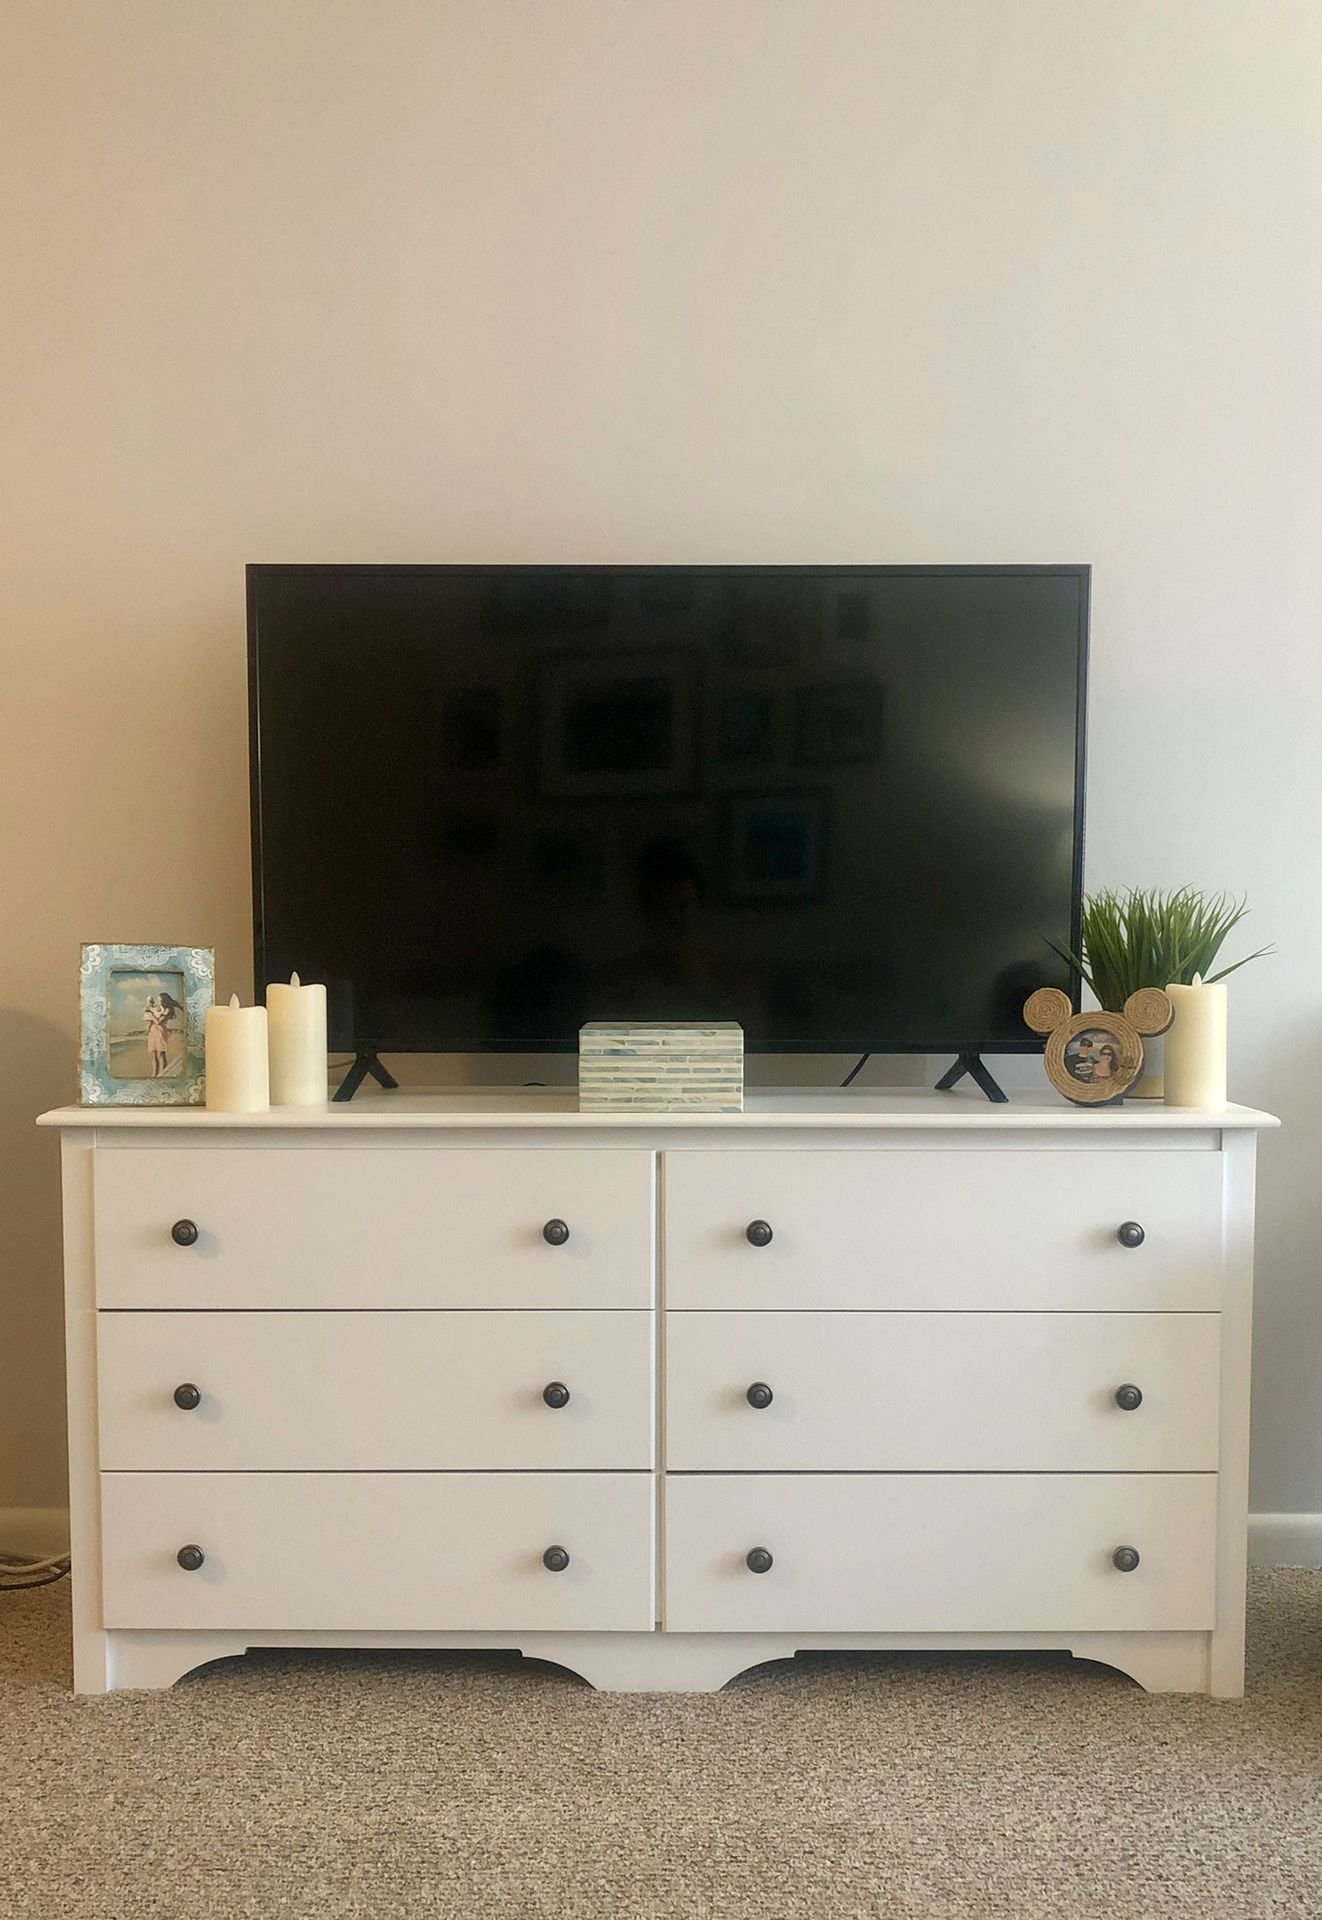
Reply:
x=653, y=279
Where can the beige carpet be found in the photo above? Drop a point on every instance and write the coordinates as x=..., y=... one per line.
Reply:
x=291, y=1785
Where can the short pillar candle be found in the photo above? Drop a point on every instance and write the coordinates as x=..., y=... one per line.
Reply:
x=237, y=1070
x=1195, y=1061
x=296, y=1017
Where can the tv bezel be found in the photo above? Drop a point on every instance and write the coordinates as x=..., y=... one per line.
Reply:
x=257, y=572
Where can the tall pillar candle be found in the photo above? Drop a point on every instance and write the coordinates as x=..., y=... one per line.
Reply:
x=297, y=1020
x=238, y=1079
x=1196, y=1046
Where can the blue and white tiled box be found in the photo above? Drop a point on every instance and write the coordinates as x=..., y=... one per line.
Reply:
x=661, y=1066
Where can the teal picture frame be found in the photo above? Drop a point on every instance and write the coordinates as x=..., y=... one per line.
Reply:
x=143, y=1025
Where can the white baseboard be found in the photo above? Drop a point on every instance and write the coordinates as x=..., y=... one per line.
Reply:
x=1285, y=1539
x=1275, y=1539
x=34, y=1530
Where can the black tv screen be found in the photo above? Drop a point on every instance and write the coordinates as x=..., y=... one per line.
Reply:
x=840, y=805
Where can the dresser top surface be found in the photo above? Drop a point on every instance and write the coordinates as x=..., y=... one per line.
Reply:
x=556, y=1111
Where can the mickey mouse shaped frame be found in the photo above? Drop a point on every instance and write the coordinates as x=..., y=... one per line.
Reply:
x=1094, y=1058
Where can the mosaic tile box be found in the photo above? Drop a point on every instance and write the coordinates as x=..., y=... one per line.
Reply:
x=661, y=1066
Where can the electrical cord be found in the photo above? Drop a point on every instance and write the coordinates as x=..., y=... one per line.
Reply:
x=19, y=1571
x=24, y=1586
x=856, y=1069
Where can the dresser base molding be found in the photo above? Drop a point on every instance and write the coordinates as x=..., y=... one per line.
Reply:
x=657, y=1662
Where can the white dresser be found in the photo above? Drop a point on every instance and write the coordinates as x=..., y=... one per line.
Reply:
x=659, y=1399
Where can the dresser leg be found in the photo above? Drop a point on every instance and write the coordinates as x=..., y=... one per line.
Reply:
x=1160, y=1662
x=149, y=1659
x=91, y=1660
x=1226, y=1661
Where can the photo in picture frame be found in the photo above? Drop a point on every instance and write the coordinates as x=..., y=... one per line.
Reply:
x=851, y=619
x=615, y=727
x=472, y=729
x=566, y=860
x=775, y=848
x=839, y=723
x=143, y=1025
x=749, y=730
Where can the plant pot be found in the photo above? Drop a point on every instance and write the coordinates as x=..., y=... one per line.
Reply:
x=1151, y=1084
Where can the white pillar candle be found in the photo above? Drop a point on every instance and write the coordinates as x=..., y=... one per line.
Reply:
x=236, y=1060
x=1196, y=1046
x=296, y=1017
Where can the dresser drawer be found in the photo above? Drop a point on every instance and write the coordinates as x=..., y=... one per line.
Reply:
x=355, y=1391
x=986, y=1392
x=939, y=1553
x=1001, y=1228
x=379, y=1552
x=373, y=1227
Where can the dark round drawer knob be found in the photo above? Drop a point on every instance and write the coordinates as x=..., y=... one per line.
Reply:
x=556, y=1394
x=555, y=1559
x=1130, y=1234
x=758, y=1560
x=1128, y=1398
x=190, y=1558
x=758, y=1233
x=1125, y=1559
x=188, y=1396
x=555, y=1233
x=184, y=1233
x=759, y=1394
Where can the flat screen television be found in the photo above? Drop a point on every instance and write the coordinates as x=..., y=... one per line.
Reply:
x=842, y=805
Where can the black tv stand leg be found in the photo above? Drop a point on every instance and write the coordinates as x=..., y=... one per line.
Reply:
x=364, y=1063
x=970, y=1064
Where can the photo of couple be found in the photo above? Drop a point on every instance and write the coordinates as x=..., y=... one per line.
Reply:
x=1092, y=1057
